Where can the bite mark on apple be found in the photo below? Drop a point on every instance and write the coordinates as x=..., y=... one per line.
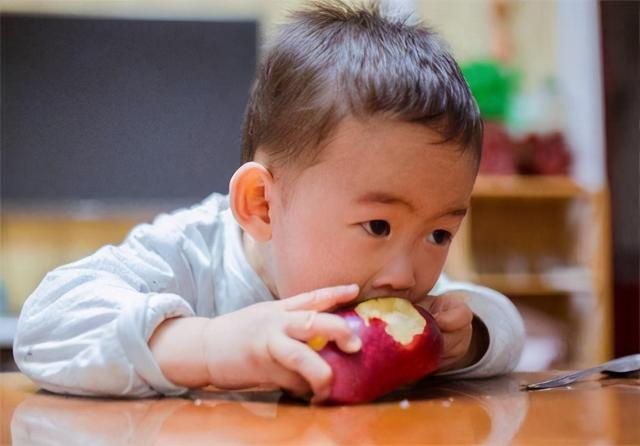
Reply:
x=402, y=320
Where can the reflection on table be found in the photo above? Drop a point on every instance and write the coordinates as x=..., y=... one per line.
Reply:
x=492, y=411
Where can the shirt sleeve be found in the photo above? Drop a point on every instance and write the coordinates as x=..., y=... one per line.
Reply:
x=502, y=321
x=85, y=329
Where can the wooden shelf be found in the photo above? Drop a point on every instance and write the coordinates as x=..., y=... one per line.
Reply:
x=543, y=241
x=526, y=187
x=542, y=284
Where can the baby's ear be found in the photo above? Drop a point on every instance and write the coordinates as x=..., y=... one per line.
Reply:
x=249, y=191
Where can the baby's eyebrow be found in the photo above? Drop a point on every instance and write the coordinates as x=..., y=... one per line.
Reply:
x=384, y=198
x=456, y=212
x=387, y=198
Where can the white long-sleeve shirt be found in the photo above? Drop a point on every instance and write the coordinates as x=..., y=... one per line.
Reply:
x=85, y=329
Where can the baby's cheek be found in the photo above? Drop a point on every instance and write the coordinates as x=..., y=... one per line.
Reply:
x=299, y=275
x=426, y=281
x=429, y=268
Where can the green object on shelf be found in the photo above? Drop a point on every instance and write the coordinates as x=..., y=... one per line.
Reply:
x=493, y=85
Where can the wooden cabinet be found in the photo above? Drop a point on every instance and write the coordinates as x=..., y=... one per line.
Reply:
x=543, y=242
x=35, y=240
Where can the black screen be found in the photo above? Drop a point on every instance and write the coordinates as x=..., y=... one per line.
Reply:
x=122, y=109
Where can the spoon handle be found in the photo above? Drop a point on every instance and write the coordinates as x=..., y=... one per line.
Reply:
x=563, y=380
x=624, y=364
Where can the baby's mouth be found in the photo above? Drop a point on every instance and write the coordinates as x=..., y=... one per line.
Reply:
x=401, y=294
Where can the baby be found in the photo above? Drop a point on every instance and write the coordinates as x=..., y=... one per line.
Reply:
x=361, y=147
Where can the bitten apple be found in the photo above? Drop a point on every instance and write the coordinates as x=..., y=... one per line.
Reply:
x=401, y=343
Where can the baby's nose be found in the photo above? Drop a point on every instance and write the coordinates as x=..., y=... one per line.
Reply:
x=399, y=275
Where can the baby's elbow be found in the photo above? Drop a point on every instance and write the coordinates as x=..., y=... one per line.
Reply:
x=23, y=357
x=23, y=341
x=26, y=341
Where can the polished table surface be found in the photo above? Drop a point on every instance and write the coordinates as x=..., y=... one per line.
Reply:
x=493, y=411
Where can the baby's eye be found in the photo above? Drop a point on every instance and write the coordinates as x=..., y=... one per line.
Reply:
x=440, y=237
x=377, y=228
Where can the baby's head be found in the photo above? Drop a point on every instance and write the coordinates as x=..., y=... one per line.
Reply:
x=361, y=146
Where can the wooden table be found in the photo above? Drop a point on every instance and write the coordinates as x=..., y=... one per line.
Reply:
x=493, y=411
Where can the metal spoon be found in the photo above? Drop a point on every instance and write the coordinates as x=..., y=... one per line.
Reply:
x=616, y=367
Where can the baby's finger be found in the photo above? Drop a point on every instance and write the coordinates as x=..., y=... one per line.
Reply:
x=305, y=325
x=299, y=358
x=456, y=345
x=454, y=319
x=291, y=381
x=322, y=299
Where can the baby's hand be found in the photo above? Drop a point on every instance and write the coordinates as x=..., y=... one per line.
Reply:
x=265, y=343
x=454, y=320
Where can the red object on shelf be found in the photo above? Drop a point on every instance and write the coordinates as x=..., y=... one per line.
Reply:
x=551, y=156
x=498, y=155
x=535, y=154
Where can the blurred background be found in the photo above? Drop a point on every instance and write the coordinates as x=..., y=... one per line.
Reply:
x=114, y=111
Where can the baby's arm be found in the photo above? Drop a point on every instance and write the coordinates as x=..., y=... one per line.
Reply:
x=264, y=343
x=85, y=328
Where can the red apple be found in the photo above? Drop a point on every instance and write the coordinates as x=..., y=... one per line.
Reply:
x=401, y=343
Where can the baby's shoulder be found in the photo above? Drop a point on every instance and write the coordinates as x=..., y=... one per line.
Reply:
x=200, y=221
x=208, y=211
